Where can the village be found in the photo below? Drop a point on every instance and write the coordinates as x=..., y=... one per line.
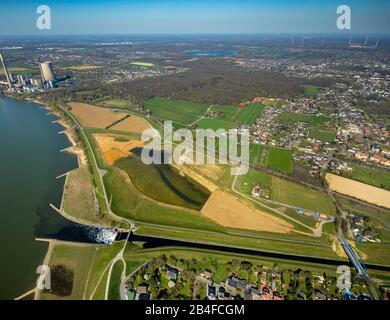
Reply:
x=233, y=280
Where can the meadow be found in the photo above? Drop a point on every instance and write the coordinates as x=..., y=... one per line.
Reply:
x=280, y=159
x=249, y=113
x=179, y=111
x=215, y=124
x=311, y=91
x=322, y=135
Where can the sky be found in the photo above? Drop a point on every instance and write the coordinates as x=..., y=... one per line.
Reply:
x=193, y=16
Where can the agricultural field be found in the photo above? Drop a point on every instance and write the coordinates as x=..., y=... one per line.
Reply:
x=82, y=67
x=280, y=159
x=227, y=113
x=229, y=211
x=215, y=124
x=322, y=135
x=256, y=152
x=255, y=178
x=93, y=116
x=301, y=196
x=373, y=176
x=131, y=124
x=142, y=64
x=21, y=70
x=249, y=113
x=292, y=117
x=287, y=192
x=358, y=190
x=182, y=112
x=116, y=103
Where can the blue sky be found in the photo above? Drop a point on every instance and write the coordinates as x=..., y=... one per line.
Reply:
x=193, y=16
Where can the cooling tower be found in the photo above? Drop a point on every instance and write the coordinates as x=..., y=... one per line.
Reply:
x=47, y=72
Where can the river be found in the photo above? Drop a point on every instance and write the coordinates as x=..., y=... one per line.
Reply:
x=30, y=162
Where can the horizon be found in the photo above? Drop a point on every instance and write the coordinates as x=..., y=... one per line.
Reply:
x=136, y=17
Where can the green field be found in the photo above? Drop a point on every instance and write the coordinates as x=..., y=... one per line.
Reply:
x=249, y=113
x=280, y=159
x=215, y=124
x=311, y=91
x=256, y=152
x=301, y=196
x=374, y=176
x=116, y=103
x=287, y=192
x=162, y=183
x=227, y=113
x=253, y=178
x=183, y=112
x=292, y=117
x=322, y=135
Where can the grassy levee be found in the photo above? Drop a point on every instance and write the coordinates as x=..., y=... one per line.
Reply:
x=87, y=262
x=78, y=198
x=269, y=245
x=375, y=253
x=116, y=273
x=92, y=160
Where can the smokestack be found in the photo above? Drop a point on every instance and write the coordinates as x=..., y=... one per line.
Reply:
x=6, y=71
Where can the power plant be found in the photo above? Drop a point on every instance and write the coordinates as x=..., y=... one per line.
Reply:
x=24, y=82
x=47, y=74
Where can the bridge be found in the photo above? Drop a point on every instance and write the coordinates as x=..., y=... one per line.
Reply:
x=359, y=266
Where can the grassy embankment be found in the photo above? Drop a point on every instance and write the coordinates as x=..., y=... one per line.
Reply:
x=87, y=262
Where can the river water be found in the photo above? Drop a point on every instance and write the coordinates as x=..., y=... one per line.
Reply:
x=30, y=161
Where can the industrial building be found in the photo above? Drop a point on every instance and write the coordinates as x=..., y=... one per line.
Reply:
x=47, y=74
